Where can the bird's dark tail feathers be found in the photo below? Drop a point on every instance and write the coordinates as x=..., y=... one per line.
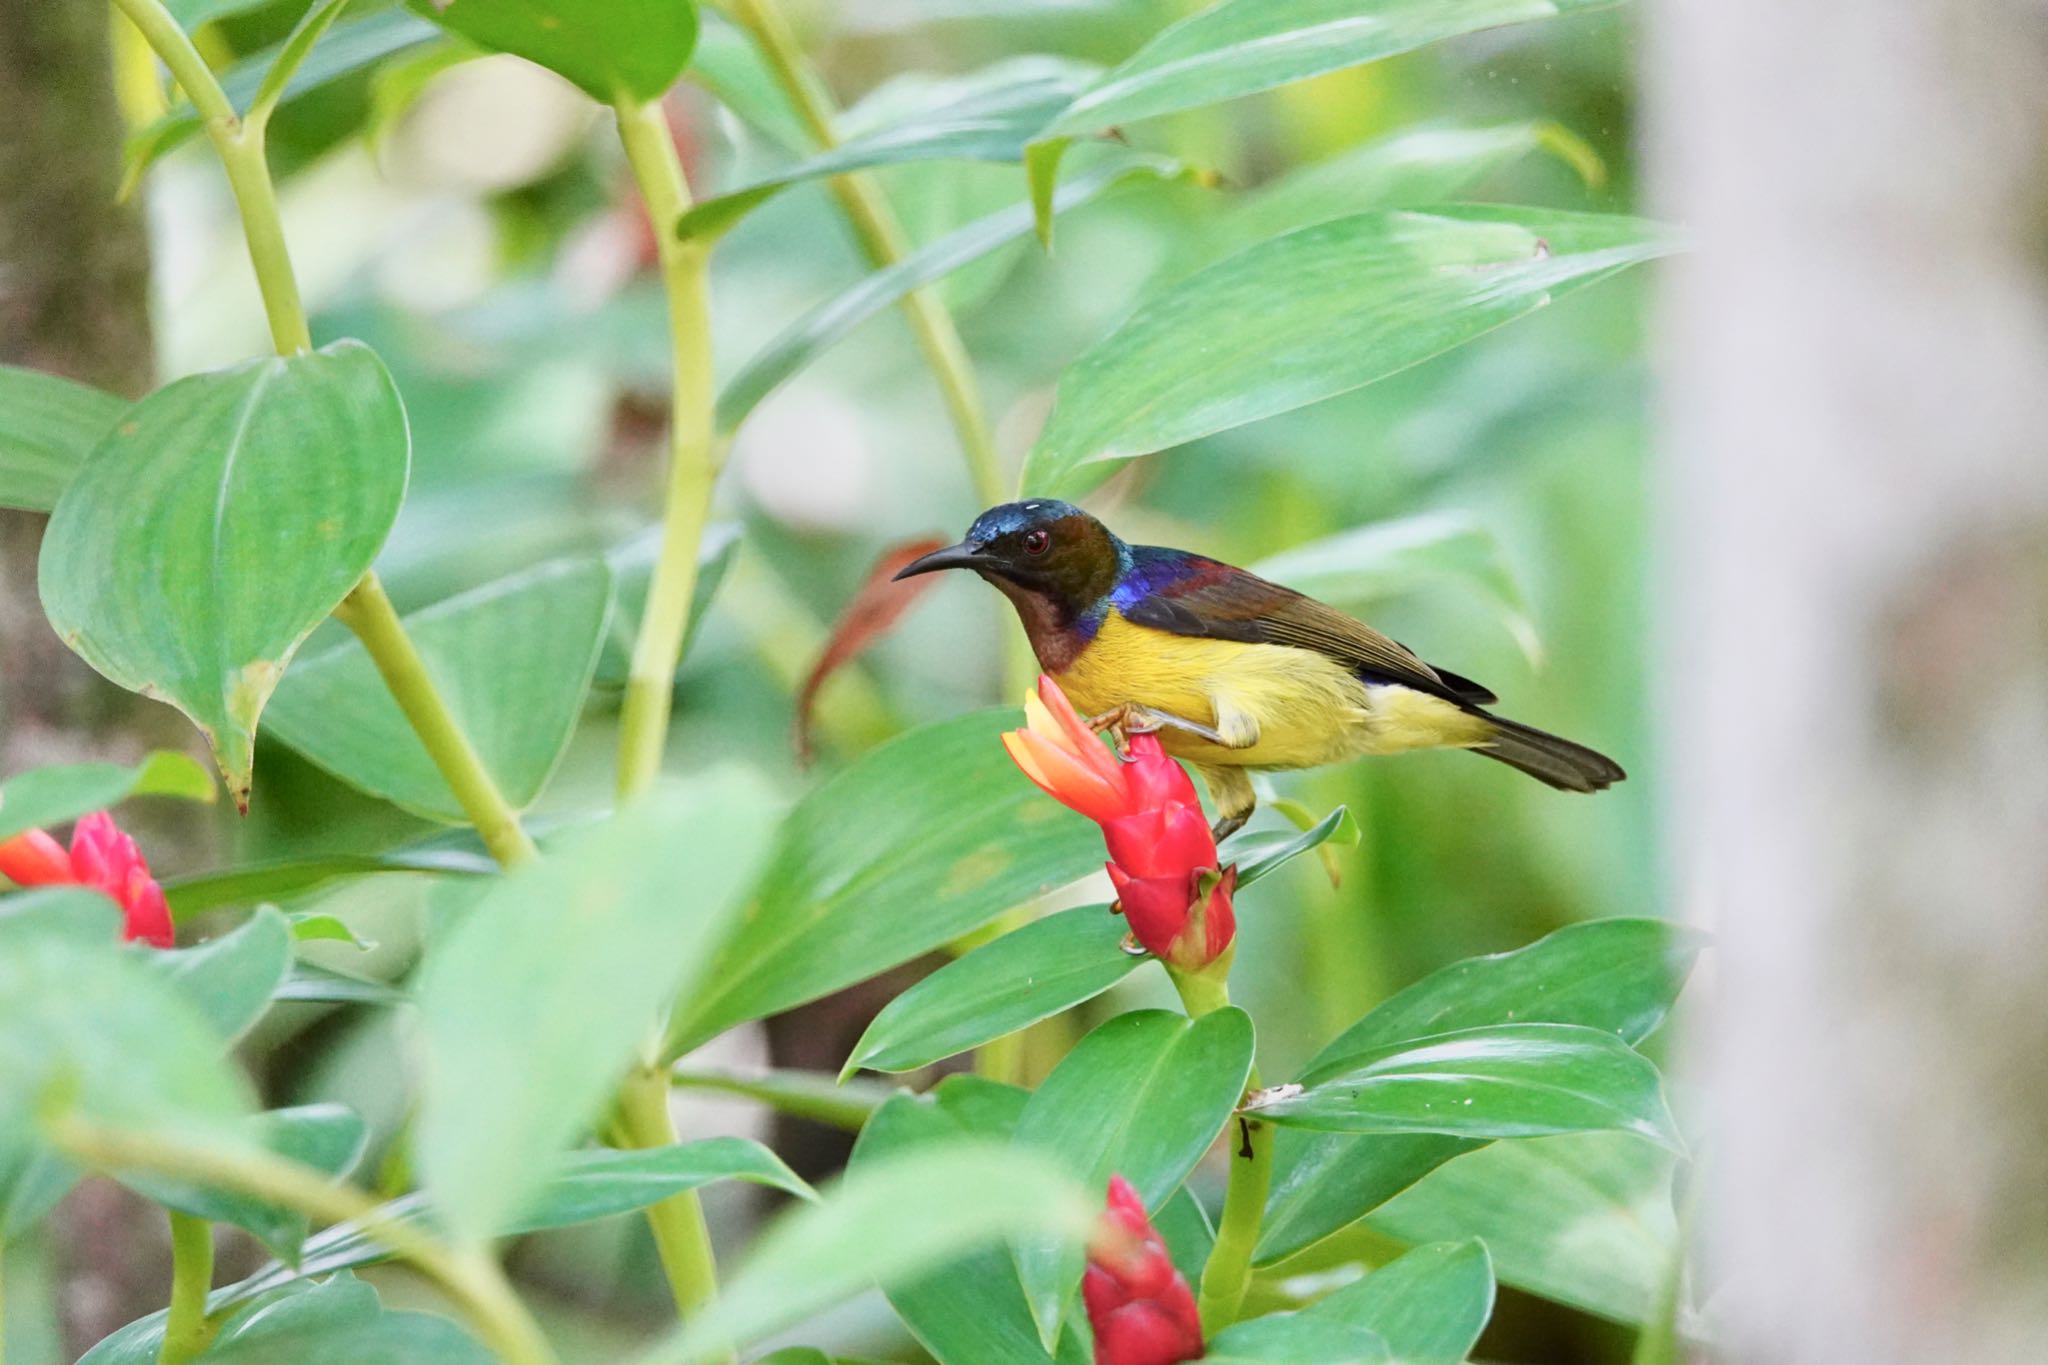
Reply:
x=1550, y=758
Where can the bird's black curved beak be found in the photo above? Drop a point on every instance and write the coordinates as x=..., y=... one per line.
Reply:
x=961, y=556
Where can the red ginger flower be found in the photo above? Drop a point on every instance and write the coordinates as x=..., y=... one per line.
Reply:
x=101, y=857
x=1162, y=856
x=1138, y=1303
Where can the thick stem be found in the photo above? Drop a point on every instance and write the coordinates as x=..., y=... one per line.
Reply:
x=186, y=1330
x=680, y=1234
x=1229, y=1270
x=368, y=612
x=695, y=452
x=470, y=1277
x=882, y=241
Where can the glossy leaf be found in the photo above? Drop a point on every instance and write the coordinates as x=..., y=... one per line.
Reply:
x=326, y=1137
x=921, y=840
x=802, y=341
x=1032, y=973
x=1619, y=975
x=43, y=797
x=1508, y=1081
x=513, y=659
x=972, y=1309
x=990, y=116
x=812, y=1095
x=1314, y=313
x=1258, y=855
x=531, y=1006
x=231, y=979
x=1429, y=1304
x=1585, y=1219
x=48, y=426
x=1240, y=47
x=1142, y=1096
x=1295, y=1339
x=890, y=1221
x=1358, y=568
x=613, y=49
x=222, y=519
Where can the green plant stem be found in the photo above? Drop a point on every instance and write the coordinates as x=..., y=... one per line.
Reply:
x=680, y=1234
x=883, y=242
x=695, y=451
x=471, y=1277
x=186, y=1330
x=367, y=611
x=1228, y=1272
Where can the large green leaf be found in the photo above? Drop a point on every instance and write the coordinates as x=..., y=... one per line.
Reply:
x=1619, y=975
x=614, y=49
x=1027, y=975
x=1430, y=1304
x=802, y=341
x=1142, y=1096
x=1314, y=313
x=1295, y=1339
x=1241, y=47
x=1504, y=1081
x=531, y=1007
x=921, y=840
x=513, y=659
x=971, y=1310
x=231, y=979
x=989, y=116
x=49, y=796
x=47, y=428
x=888, y=1222
x=325, y=1137
x=1585, y=1219
x=218, y=523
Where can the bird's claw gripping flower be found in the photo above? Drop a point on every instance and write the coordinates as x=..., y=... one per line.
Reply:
x=1138, y=1304
x=1162, y=857
x=101, y=857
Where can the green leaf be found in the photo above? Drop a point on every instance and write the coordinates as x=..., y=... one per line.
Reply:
x=513, y=659
x=632, y=566
x=1295, y=1339
x=1241, y=47
x=890, y=1221
x=339, y=1320
x=1257, y=855
x=1032, y=973
x=1142, y=1096
x=231, y=979
x=812, y=1095
x=990, y=116
x=1506, y=1081
x=43, y=797
x=1429, y=1304
x=1358, y=568
x=613, y=49
x=1585, y=1219
x=1619, y=975
x=51, y=424
x=803, y=340
x=532, y=1005
x=971, y=1310
x=930, y=835
x=311, y=984
x=326, y=1137
x=298, y=45
x=310, y=927
x=191, y=895
x=1314, y=313
x=729, y=66
x=193, y=13
x=222, y=519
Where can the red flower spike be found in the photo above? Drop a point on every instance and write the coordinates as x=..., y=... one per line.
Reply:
x=101, y=857
x=1138, y=1303
x=1162, y=857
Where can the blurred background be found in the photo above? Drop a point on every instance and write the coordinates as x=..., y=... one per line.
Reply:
x=472, y=220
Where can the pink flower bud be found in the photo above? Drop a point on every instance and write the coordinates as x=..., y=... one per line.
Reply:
x=1138, y=1303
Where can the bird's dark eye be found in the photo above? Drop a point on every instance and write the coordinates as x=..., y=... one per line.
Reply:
x=1037, y=542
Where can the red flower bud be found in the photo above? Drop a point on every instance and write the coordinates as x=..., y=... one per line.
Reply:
x=1162, y=856
x=1138, y=1303
x=101, y=857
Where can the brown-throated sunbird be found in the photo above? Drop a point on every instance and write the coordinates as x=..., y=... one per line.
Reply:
x=1231, y=671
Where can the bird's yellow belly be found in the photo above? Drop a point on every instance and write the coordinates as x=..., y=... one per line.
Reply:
x=1309, y=709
